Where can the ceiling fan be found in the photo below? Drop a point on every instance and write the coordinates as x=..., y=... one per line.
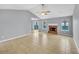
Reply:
x=44, y=10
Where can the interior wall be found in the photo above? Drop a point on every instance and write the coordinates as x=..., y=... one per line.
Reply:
x=76, y=24
x=14, y=23
x=58, y=21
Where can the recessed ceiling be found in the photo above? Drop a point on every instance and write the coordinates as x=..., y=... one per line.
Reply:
x=57, y=10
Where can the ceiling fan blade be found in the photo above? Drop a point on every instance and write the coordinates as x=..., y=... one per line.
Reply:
x=48, y=11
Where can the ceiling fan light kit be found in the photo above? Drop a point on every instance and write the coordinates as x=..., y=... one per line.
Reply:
x=44, y=10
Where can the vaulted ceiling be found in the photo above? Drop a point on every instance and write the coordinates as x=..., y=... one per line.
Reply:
x=56, y=10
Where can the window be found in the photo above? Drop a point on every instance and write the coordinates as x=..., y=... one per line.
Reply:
x=44, y=25
x=65, y=26
x=36, y=26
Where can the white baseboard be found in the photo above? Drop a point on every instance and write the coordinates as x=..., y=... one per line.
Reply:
x=76, y=45
x=66, y=35
x=14, y=37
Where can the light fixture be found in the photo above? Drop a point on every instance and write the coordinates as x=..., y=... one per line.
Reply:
x=44, y=10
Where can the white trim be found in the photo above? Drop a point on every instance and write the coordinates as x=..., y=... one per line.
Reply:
x=14, y=37
x=65, y=34
x=53, y=24
x=76, y=45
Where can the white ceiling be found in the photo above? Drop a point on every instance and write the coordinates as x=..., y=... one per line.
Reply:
x=57, y=10
x=17, y=6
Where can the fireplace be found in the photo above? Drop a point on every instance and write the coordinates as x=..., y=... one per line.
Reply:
x=52, y=29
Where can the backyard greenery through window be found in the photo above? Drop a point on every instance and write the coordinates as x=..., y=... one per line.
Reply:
x=65, y=26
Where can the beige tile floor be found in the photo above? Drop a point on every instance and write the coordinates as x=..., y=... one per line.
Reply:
x=40, y=43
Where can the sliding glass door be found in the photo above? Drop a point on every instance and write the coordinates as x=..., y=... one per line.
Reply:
x=35, y=25
x=40, y=25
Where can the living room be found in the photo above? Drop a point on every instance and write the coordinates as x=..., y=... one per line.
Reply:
x=39, y=28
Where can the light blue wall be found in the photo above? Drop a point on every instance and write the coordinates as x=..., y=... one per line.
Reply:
x=58, y=21
x=76, y=25
x=14, y=23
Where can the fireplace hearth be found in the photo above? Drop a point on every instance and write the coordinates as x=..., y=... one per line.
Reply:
x=52, y=29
